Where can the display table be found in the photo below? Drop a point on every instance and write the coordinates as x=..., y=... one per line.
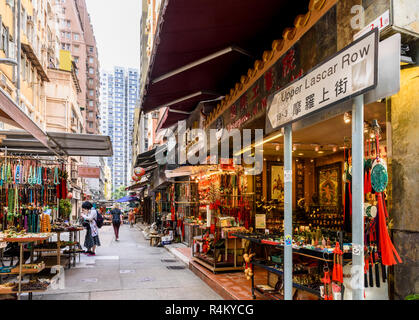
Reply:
x=29, y=238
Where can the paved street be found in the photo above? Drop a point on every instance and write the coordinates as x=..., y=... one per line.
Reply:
x=130, y=269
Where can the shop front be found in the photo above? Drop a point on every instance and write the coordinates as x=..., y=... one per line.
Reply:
x=324, y=199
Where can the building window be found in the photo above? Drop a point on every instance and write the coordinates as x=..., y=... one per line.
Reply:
x=76, y=36
x=91, y=60
x=91, y=71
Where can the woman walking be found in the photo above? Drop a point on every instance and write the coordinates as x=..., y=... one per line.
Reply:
x=91, y=240
x=116, y=220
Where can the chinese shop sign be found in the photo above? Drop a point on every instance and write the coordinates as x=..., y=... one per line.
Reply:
x=350, y=72
x=89, y=172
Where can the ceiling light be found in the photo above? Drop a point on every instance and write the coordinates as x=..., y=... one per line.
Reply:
x=294, y=147
x=301, y=154
x=262, y=142
x=320, y=152
x=335, y=149
x=277, y=147
x=347, y=117
x=316, y=148
x=312, y=160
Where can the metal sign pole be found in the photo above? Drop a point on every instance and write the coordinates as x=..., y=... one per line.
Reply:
x=288, y=213
x=358, y=197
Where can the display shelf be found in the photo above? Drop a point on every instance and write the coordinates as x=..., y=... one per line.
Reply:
x=273, y=295
x=281, y=273
x=4, y=291
x=24, y=271
x=26, y=240
x=318, y=254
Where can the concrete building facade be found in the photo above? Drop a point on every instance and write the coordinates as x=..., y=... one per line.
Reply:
x=77, y=36
x=120, y=90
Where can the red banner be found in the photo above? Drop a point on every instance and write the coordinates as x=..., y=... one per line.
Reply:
x=89, y=172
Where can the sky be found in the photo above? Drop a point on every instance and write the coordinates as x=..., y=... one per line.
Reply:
x=116, y=24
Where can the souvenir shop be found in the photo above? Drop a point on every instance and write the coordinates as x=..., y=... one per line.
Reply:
x=35, y=213
x=323, y=199
x=224, y=206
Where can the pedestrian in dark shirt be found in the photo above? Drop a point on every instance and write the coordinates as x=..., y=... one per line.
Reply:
x=116, y=220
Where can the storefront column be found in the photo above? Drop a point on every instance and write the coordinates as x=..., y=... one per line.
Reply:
x=288, y=213
x=358, y=197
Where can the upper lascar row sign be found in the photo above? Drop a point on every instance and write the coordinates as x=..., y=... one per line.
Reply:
x=350, y=72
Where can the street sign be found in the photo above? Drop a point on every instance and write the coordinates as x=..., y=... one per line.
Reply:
x=89, y=172
x=350, y=72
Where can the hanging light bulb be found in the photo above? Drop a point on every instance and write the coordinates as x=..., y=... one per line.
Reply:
x=316, y=148
x=335, y=149
x=277, y=147
x=347, y=117
x=294, y=148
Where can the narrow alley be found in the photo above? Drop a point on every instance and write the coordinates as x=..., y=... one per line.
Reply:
x=130, y=270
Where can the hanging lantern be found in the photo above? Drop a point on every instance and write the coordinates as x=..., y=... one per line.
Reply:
x=70, y=196
x=139, y=172
x=135, y=178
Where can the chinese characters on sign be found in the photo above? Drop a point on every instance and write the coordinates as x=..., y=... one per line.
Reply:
x=89, y=172
x=254, y=101
x=352, y=71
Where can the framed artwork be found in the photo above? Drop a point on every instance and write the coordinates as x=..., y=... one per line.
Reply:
x=276, y=181
x=329, y=184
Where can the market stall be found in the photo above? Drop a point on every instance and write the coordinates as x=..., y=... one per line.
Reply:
x=34, y=214
x=225, y=207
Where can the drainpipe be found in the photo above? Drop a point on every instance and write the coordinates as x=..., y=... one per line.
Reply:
x=19, y=51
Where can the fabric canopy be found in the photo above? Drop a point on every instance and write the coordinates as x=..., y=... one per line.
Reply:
x=66, y=144
x=206, y=46
x=127, y=199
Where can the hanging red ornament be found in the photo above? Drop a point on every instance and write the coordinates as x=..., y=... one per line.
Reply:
x=139, y=172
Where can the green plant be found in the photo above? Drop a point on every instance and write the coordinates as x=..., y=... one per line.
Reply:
x=119, y=193
x=65, y=208
x=412, y=297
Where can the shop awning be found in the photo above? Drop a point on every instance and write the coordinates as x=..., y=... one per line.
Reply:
x=147, y=159
x=70, y=144
x=127, y=199
x=12, y=114
x=205, y=47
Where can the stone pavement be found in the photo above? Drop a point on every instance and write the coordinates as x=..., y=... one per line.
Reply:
x=130, y=270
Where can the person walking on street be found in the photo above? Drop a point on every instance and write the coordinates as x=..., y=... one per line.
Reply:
x=131, y=218
x=116, y=220
x=91, y=240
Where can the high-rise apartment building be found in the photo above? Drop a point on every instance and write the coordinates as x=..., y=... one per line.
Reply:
x=119, y=92
x=76, y=35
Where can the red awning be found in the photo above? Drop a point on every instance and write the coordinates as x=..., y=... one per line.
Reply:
x=206, y=46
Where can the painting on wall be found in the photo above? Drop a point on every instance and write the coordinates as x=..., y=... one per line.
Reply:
x=329, y=180
x=276, y=179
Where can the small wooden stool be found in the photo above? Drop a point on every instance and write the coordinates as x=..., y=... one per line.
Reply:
x=154, y=240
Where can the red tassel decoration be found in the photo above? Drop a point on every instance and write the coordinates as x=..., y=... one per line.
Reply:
x=386, y=246
x=337, y=266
